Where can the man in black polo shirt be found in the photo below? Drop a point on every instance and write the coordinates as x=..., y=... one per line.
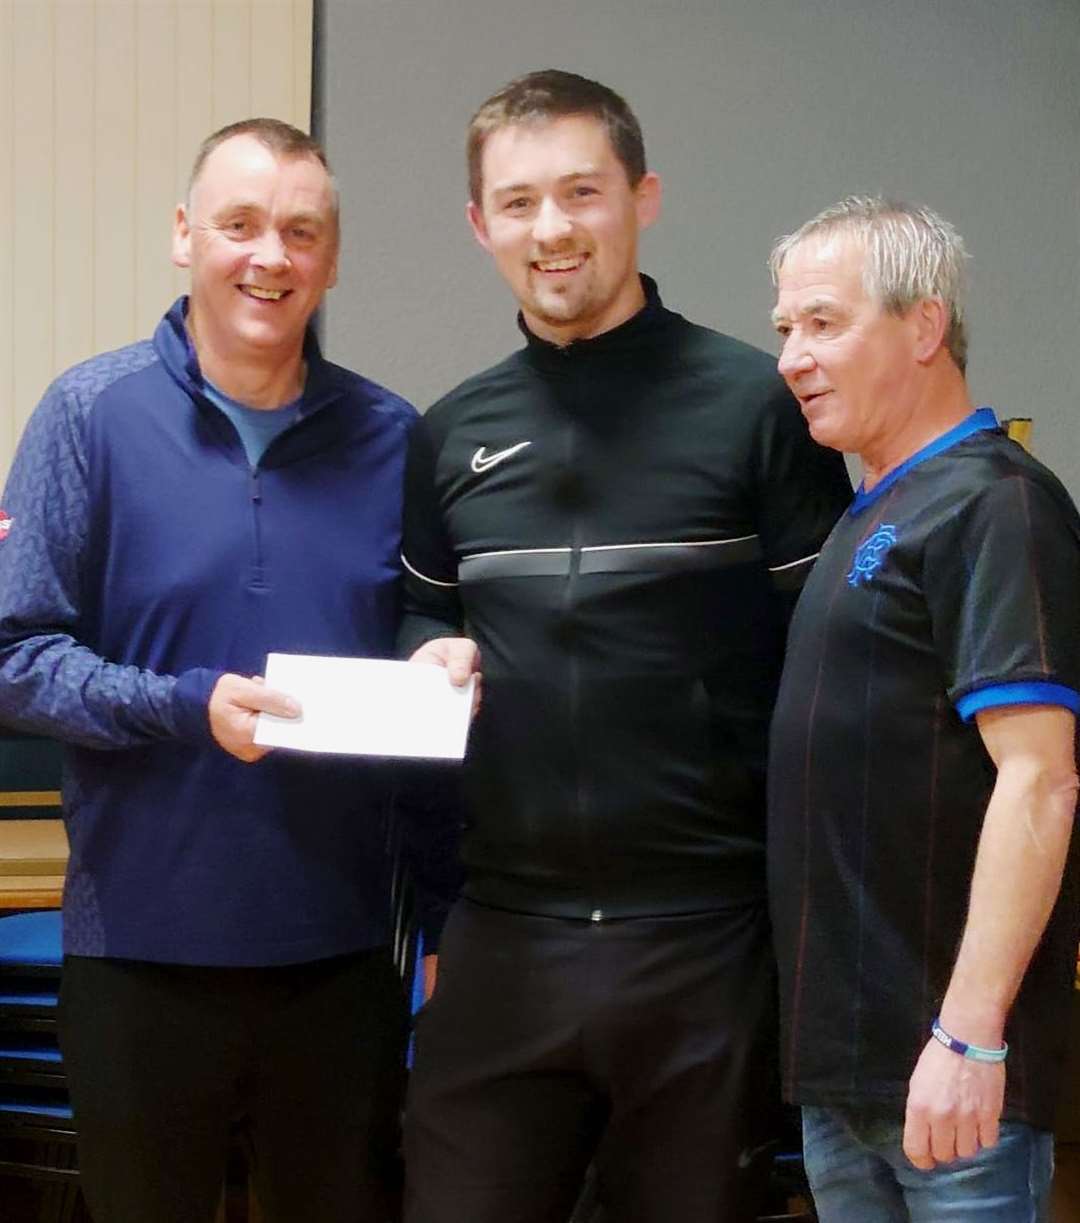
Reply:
x=621, y=513
x=922, y=773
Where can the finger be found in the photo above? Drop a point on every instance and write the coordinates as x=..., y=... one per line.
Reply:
x=270, y=700
x=989, y=1131
x=967, y=1138
x=461, y=663
x=431, y=652
x=943, y=1140
x=917, y=1141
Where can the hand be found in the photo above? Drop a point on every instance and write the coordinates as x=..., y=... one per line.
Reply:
x=431, y=972
x=953, y=1107
x=461, y=658
x=234, y=706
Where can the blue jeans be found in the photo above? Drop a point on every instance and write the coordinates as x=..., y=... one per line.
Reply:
x=859, y=1174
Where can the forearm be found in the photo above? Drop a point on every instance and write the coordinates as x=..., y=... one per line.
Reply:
x=52, y=685
x=1017, y=876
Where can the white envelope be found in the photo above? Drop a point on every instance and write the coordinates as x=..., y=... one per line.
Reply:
x=367, y=707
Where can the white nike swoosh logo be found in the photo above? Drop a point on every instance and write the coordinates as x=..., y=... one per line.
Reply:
x=482, y=462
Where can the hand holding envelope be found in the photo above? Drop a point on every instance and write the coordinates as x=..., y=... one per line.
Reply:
x=368, y=706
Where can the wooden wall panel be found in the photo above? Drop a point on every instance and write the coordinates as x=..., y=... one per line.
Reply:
x=32, y=228
x=272, y=73
x=156, y=187
x=194, y=117
x=7, y=227
x=114, y=174
x=230, y=66
x=73, y=176
x=103, y=104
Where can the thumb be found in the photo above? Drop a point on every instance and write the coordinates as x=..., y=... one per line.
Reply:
x=270, y=700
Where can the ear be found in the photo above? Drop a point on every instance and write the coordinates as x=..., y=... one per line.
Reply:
x=331, y=278
x=931, y=321
x=475, y=215
x=648, y=195
x=181, y=238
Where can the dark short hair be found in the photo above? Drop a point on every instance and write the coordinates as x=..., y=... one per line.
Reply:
x=539, y=97
x=279, y=137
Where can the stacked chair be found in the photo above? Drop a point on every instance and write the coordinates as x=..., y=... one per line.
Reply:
x=38, y=1174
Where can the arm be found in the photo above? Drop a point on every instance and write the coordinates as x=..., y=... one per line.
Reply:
x=954, y=1104
x=50, y=682
x=802, y=489
x=433, y=619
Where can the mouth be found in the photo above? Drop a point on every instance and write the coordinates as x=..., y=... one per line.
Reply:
x=263, y=295
x=563, y=266
x=812, y=399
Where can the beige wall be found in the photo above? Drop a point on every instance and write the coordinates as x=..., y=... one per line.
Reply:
x=102, y=105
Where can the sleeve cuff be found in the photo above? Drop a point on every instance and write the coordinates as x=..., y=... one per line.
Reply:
x=191, y=700
x=997, y=695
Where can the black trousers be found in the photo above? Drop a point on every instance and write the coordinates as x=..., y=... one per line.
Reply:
x=163, y=1059
x=642, y=1044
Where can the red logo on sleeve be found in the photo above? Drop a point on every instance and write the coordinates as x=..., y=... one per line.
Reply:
x=6, y=523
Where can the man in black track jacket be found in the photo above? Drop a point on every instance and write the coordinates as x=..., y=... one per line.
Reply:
x=616, y=519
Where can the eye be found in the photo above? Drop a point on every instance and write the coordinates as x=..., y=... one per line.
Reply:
x=819, y=326
x=303, y=234
x=583, y=189
x=783, y=330
x=237, y=227
x=517, y=204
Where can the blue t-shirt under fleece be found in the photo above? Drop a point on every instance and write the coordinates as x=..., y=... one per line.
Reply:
x=257, y=426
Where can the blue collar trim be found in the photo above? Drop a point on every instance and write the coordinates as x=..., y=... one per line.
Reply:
x=980, y=419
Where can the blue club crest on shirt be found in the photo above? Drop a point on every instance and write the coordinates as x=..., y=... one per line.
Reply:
x=870, y=554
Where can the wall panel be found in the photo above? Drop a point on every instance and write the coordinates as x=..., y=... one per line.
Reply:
x=7, y=226
x=73, y=176
x=32, y=225
x=102, y=106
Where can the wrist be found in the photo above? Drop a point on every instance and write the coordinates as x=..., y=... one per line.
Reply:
x=967, y=1049
x=979, y=1021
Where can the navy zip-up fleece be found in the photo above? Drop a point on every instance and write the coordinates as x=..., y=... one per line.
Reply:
x=143, y=558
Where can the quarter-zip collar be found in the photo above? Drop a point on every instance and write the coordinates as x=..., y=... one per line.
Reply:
x=172, y=342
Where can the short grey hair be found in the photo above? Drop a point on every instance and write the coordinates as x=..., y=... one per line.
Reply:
x=281, y=138
x=912, y=253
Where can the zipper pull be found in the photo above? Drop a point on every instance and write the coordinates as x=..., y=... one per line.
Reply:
x=256, y=494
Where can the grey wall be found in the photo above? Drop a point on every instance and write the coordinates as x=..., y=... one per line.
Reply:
x=756, y=113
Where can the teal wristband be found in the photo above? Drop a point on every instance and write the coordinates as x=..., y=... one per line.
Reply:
x=974, y=1053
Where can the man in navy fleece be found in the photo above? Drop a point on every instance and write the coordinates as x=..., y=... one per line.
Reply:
x=176, y=510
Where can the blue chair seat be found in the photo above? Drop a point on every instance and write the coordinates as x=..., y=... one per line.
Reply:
x=31, y=940
x=31, y=1053
x=23, y=1106
x=29, y=997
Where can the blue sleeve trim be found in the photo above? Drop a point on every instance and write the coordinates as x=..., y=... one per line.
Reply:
x=1036, y=693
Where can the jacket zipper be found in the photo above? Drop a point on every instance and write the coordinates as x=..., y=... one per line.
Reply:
x=258, y=574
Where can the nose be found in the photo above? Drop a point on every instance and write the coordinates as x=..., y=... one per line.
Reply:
x=268, y=251
x=551, y=223
x=795, y=359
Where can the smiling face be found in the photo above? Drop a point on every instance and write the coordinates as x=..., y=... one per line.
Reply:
x=853, y=366
x=562, y=221
x=260, y=235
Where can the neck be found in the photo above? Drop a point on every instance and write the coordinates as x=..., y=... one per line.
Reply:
x=257, y=380
x=943, y=402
